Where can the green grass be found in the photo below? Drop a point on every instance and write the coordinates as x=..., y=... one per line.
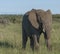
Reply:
x=11, y=40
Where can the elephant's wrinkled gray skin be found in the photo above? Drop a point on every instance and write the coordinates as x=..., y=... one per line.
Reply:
x=34, y=23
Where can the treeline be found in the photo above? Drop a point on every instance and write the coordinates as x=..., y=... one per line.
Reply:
x=18, y=18
x=12, y=18
x=56, y=15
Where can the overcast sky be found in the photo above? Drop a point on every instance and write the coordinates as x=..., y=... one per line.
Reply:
x=22, y=6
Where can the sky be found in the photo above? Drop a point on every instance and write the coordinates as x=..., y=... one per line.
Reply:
x=22, y=6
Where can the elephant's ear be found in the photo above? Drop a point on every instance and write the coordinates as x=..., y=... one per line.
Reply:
x=33, y=19
x=49, y=15
x=48, y=11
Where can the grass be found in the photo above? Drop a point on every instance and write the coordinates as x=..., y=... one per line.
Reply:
x=11, y=40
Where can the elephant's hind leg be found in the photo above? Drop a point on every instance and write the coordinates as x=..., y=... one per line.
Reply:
x=32, y=43
x=24, y=39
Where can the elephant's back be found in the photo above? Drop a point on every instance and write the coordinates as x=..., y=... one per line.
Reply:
x=26, y=24
x=25, y=20
x=29, y=29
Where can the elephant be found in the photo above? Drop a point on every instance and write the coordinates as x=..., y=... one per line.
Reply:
x=34, y=23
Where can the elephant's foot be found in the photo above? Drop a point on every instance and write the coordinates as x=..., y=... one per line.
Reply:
x=49, y=48
x=48, y=44
x=23, y=48
x=36, y=46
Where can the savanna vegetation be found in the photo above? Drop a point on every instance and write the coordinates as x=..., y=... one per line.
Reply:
x=11, y=36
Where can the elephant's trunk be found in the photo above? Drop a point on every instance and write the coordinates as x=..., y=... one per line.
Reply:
x=35, y=42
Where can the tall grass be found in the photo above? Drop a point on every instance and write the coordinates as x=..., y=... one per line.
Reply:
x=11, y=40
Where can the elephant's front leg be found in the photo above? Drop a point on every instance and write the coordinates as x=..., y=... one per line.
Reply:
x=47, y=40
x=36, y=44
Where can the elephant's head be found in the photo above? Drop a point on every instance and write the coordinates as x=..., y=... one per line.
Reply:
x=39, y=16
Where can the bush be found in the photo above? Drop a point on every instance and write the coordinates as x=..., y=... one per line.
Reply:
x=12, y=18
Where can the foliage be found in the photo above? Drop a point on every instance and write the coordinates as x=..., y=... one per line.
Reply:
x=56, y=17
x=12, y=18
x=11, y=38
